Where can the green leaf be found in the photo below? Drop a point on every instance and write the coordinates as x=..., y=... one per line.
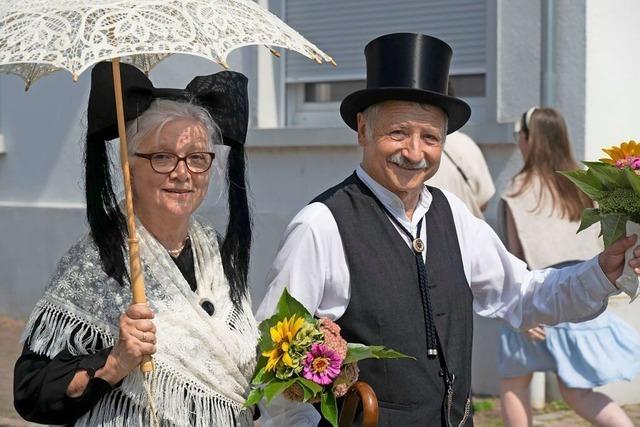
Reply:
x=262, y=376
x=614, y=226
x=288, y=306
x=610, y=176
x=266, y=343
x=329, y=408
x=633, y=180
x=315, y=388
x=357, y=352
x=276, y=387
x=589, y=217
x=587, y=182
x=308, y=393
x=254, y=397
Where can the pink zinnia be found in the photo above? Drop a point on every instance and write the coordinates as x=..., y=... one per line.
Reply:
x=622, y=163
x=635, y=163
x=321, y=365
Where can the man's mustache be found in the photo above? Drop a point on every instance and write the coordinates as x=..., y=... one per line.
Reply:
x=399, y=160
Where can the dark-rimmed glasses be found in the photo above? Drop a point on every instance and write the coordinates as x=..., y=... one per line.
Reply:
x=198, y=162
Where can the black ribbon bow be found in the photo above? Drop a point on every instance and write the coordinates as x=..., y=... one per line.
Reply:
x=223, y=95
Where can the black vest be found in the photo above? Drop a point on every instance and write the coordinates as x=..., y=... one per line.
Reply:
x=385, y=307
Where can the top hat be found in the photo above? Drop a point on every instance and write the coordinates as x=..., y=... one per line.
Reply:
x=407, y=67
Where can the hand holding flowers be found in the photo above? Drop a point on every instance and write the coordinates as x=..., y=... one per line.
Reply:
x=306, y=359
x=614, y=184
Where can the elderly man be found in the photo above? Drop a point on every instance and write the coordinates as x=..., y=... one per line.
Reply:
x=404, y=265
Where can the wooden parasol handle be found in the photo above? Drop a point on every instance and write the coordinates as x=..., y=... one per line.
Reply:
x=359, y=392
x=135, y=267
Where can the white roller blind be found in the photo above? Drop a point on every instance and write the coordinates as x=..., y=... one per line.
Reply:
x=342, y=28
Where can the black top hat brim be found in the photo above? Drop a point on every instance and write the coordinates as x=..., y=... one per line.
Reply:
x=457, y=111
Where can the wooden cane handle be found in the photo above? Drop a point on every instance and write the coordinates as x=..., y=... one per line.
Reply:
x=360, y=392
x=147, y=364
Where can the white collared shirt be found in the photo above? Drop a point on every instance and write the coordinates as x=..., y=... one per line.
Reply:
x=312, y=265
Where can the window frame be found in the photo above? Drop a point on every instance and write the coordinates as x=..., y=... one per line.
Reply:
x=296, y=113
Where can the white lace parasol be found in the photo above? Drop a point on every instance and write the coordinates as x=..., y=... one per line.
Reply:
x=38, y=37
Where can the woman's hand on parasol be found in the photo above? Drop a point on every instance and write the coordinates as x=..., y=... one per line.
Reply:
x=137, y=339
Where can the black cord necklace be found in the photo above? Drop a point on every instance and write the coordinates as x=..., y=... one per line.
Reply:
x=418, y=247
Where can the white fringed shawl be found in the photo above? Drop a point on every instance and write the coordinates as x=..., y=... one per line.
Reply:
x=203, y=363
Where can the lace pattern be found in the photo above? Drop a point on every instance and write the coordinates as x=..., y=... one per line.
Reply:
x=41, y=36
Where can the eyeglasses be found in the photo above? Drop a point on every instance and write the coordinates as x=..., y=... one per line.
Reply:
x=198, y=162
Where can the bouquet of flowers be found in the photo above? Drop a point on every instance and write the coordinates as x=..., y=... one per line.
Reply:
x=306, y=359
x=614, y=184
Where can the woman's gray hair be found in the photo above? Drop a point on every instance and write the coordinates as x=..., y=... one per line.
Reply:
x=163, y=111
x=370, y=115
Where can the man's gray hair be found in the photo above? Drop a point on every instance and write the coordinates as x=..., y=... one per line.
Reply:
x=161, y=112
x=370, y=114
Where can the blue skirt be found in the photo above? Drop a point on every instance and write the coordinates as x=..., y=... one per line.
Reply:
x=584, y=355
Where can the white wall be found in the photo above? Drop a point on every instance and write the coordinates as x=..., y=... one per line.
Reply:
x=612, y=81
x=612, y=91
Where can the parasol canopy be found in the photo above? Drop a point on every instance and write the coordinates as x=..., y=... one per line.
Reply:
x=38, y=37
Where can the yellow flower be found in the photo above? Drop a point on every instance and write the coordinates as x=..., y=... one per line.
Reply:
x=282, y=335
x=621, y=152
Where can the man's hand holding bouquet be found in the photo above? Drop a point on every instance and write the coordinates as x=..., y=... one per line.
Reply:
x=613, y=183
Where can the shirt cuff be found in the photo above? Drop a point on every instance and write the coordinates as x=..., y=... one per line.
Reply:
x=95, y=361
x=595, y=275
x=96, y=387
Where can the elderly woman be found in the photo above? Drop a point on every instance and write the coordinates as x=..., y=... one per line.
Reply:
x=84, y=342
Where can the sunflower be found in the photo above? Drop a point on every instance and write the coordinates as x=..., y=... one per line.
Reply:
x=622, y=154
x=282, y=335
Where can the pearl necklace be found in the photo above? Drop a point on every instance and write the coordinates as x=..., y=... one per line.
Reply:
x=177, y=251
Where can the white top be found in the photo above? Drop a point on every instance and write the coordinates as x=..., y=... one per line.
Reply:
x=545, y=236
x=311, y=264
x=465, y=153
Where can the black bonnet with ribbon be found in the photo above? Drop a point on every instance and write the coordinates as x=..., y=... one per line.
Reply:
x=224, y=96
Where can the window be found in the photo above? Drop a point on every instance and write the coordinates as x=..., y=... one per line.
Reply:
x=343, y=27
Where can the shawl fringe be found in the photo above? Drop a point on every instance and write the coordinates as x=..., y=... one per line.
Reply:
x=52, y=329
x=180, y=402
